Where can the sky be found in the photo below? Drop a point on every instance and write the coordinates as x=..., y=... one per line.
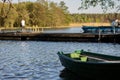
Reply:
x=73, y=6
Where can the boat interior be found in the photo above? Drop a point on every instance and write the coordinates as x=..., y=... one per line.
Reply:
x=85, y=57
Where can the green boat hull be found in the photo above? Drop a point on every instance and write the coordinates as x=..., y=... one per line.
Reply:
x=100, y=69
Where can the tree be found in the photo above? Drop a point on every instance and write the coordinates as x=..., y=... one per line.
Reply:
x=63, y=6
x=105, y=4
x=5, y=10
x=10, y=19
x=22, y=13
x=66, y=17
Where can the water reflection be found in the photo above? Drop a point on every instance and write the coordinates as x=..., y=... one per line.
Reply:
x=65, y=30
x=68, y=75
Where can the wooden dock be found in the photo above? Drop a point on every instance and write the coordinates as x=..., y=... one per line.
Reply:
x=35, y=29
x=73, y=37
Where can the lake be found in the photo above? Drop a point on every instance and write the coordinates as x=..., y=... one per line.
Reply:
x=65, y=30
x=37, y=60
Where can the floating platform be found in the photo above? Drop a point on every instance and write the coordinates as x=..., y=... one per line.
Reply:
x=102, y=29
x=73, y=37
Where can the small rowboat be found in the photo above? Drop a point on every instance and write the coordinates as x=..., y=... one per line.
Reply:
x=91, y=65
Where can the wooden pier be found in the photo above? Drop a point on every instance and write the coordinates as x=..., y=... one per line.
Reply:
x=34, y=29
x=73, y=37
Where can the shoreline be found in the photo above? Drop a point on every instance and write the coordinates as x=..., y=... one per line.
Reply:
x=72, y=25
x=89, y=24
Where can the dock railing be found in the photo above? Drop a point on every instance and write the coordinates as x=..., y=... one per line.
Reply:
x=26, y=29
x=36, y=29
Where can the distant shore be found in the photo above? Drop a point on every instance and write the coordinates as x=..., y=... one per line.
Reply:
x=71, y=25
x=89, y=24
x=84, y=24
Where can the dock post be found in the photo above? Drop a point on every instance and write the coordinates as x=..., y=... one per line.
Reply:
x=114, y=30
x=42, y=30
x=99, y=36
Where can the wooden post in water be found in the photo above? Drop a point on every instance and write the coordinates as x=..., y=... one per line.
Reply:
x=42, y=29
x=114, y=30
x=99, y=36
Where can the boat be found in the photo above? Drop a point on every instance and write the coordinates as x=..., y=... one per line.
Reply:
x=103, y=29
x=91, y=65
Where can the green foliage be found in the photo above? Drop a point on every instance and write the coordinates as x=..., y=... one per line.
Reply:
x=11, y=18
x=105, y=4
x=44, y=13
x=82, y=18
x=39, y=13
x=23, y=13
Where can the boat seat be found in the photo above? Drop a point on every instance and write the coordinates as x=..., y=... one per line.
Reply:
x=79, y=57
x=84, y=58
x=74, y=55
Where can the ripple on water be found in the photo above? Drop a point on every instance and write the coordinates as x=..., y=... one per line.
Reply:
x=36, y=60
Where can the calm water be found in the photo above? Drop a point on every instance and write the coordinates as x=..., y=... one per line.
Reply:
x=36, y=60
x=66, y=30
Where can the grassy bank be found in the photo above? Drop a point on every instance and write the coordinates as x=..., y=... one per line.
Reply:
x=85, y=24
x=89, y=24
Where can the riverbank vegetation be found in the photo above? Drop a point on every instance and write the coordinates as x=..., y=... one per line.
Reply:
x=43, y=14
x=105, y=18
x=39, y=13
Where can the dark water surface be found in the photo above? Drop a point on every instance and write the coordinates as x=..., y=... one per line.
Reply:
x=37, y=60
